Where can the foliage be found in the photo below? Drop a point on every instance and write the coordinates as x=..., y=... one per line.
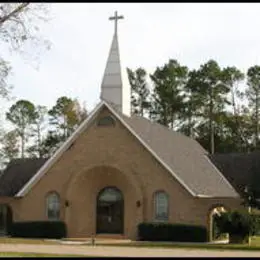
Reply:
x=253, y=94
x=171, y=232
x=139, y=91
x=5, y=70
x=22, y=114
x=38, y=127
x=50, y=144
x=20, y=31
x=39, y=229
x=237, y=223
x=167, y=99
x=66, y=115
x=10, y=146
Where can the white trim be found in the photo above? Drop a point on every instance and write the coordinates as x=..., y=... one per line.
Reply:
x=229, y=184
x=58, y=153
x=72, y=138
x=204, y=196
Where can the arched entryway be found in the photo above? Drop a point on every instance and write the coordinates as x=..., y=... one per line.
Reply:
x=213, y=230
x=110, y=211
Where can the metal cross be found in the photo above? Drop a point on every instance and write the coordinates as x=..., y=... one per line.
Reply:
x=116, y=18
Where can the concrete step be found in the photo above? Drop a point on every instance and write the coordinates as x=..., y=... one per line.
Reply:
x=109, y=236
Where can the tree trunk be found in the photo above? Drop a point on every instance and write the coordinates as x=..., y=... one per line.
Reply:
x=190, y=120
x=22, y=144
x=211, y=125
x=39, y=140
x=256, y=119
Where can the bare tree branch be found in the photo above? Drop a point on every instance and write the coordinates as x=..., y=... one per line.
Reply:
x=13, y=13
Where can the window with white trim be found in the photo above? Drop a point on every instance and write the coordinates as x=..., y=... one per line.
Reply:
x=53, y=206
x=161, y=206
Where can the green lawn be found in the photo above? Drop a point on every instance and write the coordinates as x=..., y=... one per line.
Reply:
x=26, y=241
x=16, y=254
x=255, y=244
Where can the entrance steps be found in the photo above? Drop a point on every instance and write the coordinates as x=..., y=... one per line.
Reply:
x=110, y=236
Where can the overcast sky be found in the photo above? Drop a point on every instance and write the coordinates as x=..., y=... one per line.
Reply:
x=149, y=36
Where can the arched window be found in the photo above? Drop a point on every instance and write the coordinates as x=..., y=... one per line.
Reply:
x=106, y=121
x=161, y=206
x=53, y=206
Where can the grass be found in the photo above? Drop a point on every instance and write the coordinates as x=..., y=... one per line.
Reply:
x=17, y=254
x=255, y=244
x=26, y=241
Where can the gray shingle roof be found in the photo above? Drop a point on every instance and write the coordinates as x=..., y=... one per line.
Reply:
x=17, y=173
x=185, y=156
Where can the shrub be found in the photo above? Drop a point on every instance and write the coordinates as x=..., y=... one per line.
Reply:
x=240, y=224
x=171, y=232
x=39, y=229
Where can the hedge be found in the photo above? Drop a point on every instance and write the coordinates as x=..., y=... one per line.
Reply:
x=39, y=229
x=238, y=223
x=172, y=232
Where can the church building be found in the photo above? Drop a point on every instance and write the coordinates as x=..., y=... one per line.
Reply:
x=116, y=171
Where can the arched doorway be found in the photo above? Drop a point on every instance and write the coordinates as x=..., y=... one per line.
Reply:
x=214, y=233
x=110, y=211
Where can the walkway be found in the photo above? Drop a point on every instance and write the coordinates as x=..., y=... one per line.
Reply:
x=114, y=251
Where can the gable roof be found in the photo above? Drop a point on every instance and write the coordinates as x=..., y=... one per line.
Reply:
x=240, y=169
x=17, y=173
x=183, y=157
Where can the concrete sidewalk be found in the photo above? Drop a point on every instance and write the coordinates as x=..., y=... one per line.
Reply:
x=114, y=251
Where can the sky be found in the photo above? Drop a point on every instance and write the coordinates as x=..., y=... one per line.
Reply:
x=150, y=35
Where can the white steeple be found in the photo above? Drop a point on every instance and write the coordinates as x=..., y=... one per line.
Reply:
x=115, y=87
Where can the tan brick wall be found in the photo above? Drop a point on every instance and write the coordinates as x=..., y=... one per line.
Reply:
x=110, y=156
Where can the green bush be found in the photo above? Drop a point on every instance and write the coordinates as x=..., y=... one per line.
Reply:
x=39, y=229
x=240, y=224
x=171, y=232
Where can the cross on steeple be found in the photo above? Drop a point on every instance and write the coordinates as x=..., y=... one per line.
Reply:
x=116, y=18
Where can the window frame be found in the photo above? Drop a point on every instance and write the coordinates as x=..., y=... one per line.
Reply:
x=157, y=216
x=48, y=202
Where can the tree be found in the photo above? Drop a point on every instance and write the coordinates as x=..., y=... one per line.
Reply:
x=167, y=99
x=10, y=146
x=238, y=224
x=5, y=70
x=20, y=31
x=253, y=95
x=49, y=144
x=66, y=115
x=232, y=77
x=190, y=111
x=139, y=91
x=209, y=89
x=22, y=114
x=38, y=126
x=19, y=23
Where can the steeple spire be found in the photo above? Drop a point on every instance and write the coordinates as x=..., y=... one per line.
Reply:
x=115, y=86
